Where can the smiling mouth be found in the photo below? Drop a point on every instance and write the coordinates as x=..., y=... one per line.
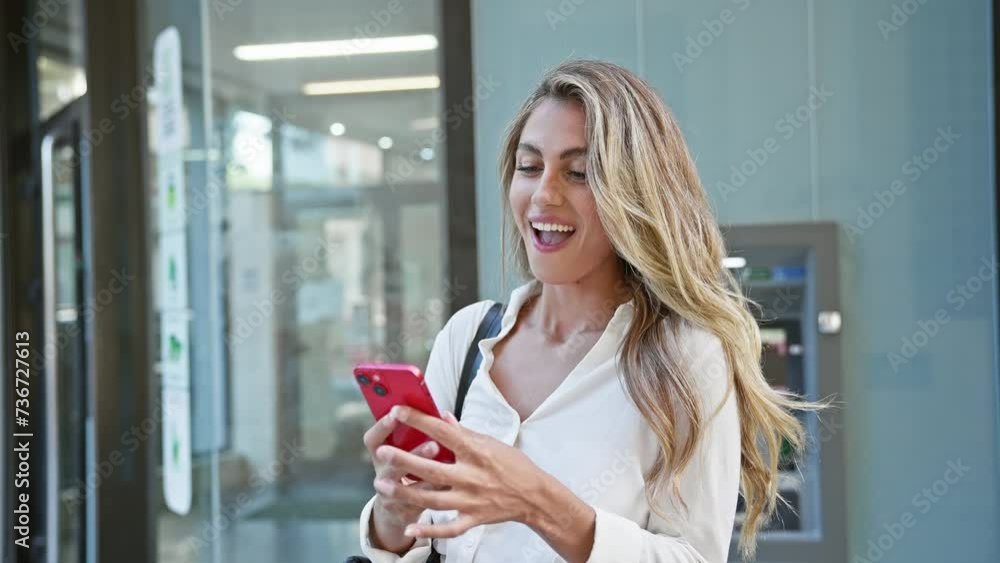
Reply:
x=551, y=235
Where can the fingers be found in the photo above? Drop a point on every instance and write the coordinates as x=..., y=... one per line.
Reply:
x=451, y=529
x=448, y=435
x=429, y=486
x=379, y=431
x=419, y=465
x=424, y=497
x=386, y=458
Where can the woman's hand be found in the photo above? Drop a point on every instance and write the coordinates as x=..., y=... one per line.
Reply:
x=489, y=481
x=390, y=516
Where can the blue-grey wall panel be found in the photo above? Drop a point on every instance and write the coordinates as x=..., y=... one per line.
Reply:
x=911, y=83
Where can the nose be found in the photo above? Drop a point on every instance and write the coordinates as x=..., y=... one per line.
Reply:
x=549, y=189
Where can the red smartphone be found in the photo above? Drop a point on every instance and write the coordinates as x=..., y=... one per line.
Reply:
x=387, y=385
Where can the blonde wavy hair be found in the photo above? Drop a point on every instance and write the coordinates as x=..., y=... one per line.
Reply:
x=657, y=216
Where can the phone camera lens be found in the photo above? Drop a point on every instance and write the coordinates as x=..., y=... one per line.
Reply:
x=380, y=390
x=364, y=380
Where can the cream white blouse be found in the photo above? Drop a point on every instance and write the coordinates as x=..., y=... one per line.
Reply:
x=590, y=436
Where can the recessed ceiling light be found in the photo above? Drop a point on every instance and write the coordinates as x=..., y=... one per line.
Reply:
x=337, y=129
x=734, y=262
x=385, y=143
x=372, y=85
x=336, y=48
x=427, y=153
x=424, y=123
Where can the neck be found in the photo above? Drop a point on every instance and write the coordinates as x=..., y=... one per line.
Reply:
x=585, y=305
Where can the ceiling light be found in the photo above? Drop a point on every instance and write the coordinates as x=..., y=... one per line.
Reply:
x=734, y=262
x=337, y=129
x=385, y=143
x=337, y=48
x=373, y=85
x=425, y=123
x=427, y=153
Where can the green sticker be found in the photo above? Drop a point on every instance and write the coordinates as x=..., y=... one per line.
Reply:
x=172, y=272
x=175, y=348
x=175, y=446
x=171, y=194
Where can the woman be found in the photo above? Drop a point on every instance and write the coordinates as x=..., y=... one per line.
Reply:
x=621, y=408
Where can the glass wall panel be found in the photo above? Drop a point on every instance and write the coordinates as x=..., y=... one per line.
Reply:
x=60, y=60
x=314, y=239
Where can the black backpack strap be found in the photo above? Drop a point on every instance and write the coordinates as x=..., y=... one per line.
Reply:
x=488, y=328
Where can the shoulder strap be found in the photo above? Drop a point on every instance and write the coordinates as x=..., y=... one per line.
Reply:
x=488, y=328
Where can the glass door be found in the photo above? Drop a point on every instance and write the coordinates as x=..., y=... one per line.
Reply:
x=310, y=166
x=65, y=315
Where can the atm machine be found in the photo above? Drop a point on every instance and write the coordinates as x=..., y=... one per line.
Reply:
x=791, y=272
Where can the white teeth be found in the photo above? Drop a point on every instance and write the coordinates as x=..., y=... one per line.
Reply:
x=553, y=227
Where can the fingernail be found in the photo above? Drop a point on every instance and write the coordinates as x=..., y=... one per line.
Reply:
x=394, y=412
x=430, y=448
x=410, y=531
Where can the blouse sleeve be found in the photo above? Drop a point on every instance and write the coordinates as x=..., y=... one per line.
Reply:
x=709, y=484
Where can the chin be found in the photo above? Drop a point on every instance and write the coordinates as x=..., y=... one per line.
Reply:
x=553, y=272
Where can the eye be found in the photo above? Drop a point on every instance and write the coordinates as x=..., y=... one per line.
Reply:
x=578, y=176
x=527, y=169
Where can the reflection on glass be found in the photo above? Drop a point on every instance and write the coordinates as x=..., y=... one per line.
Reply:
x=59, y=84
x=332, y=253
x=250, y=165
x=70, y=316
x=60, y=61
x=315, y=159
x=61, y=80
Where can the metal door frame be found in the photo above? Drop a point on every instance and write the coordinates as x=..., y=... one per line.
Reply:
x=65, y=126
x=122, y=391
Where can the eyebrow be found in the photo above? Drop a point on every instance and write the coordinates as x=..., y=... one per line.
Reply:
x=575, y=151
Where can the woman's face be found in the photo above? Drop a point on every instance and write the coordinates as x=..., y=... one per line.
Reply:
x=553, y=205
